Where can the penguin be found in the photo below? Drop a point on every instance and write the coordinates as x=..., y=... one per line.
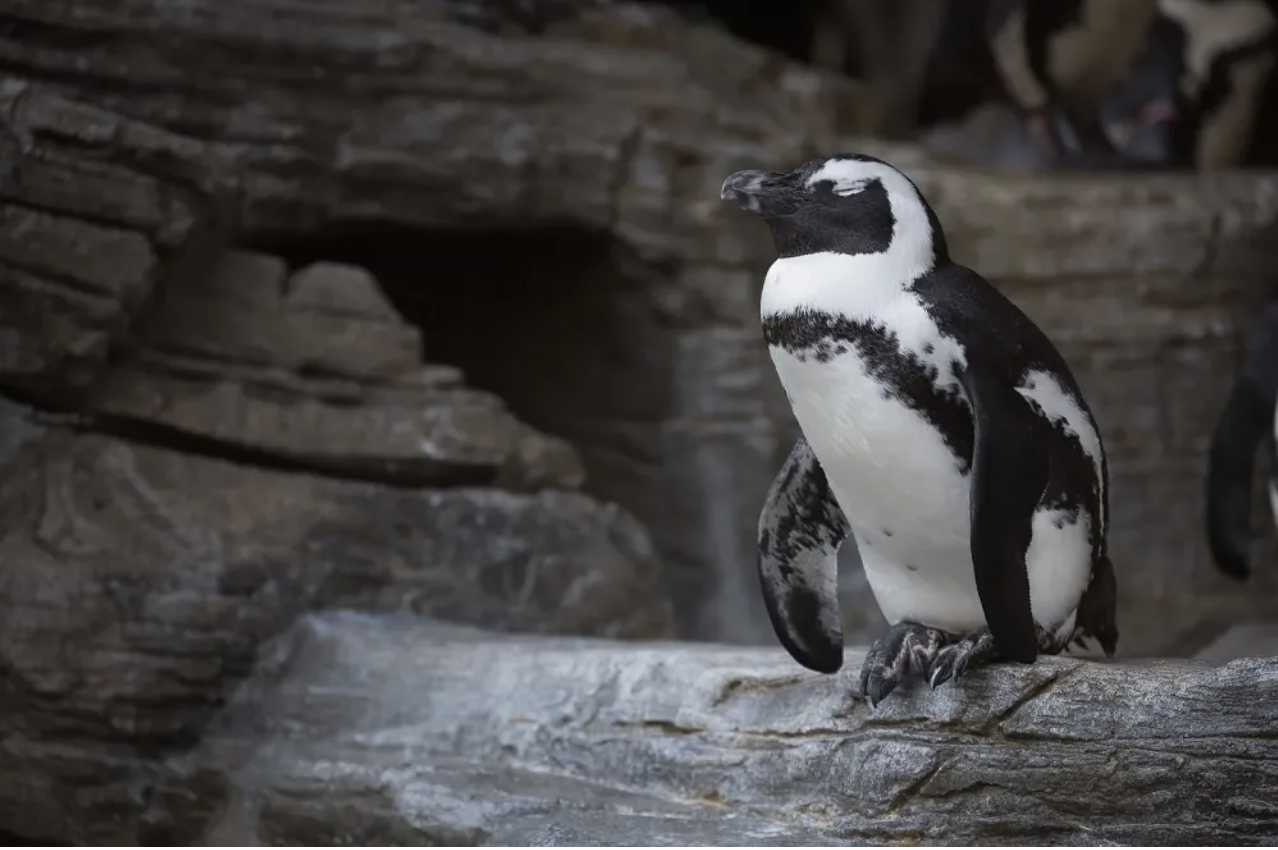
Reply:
x=942, y=431
x=1056, y=59
x=1201, y=88
x=1250, y=412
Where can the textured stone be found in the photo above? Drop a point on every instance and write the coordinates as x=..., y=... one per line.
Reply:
x=85, y=236
x=537, y=203
x=138, y=582
x=395, y=732
x=320, y=370
x=619, y=127
x=571, y=180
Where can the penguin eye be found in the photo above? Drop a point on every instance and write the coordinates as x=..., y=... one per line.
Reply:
x=847, y=188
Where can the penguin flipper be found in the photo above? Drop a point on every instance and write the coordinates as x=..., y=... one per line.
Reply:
x=1008, y=475
x=801, y=529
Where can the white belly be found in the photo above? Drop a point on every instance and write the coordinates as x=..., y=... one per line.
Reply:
x=907, y=502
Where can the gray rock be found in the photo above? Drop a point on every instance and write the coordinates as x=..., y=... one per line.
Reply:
x=474, y=137
x=390, y=731
x=137, y=583
x=573, y=180
x=317, y=368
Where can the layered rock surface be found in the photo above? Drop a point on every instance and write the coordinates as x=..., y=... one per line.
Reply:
x=138, y=581
x=600, y=132
x=562, y=166
x=246, y=435
x=375, y=730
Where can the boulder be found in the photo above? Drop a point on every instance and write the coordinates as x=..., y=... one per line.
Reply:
x=138, y=582
x=382, y=730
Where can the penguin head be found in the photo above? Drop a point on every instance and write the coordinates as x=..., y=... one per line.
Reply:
x=847, y=204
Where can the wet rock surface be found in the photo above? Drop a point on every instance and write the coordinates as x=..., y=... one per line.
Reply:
x=425, y=733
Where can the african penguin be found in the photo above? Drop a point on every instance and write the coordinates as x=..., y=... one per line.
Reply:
x=1056, y=59
x=1201, y=92
x=941, y=430
x=1248, y=416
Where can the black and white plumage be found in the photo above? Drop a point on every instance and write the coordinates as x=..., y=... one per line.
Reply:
x=1248, y=416
x=942, y=430
x=1201, y=91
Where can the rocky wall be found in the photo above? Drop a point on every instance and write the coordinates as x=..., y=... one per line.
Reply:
x=317, y=305
x=541, y=205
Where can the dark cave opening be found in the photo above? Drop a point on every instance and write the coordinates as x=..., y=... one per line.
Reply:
x=557, y=321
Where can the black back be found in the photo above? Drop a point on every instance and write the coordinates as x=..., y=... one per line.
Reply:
x=1000, y=337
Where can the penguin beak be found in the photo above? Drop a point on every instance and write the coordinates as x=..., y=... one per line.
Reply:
x=764, y=193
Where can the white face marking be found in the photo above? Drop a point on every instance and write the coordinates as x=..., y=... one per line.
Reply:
x=856, y=284
x=849, y=177
x=1212, y=29
x=870, y=287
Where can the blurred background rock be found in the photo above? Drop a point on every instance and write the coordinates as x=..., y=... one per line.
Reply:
x=430, y=306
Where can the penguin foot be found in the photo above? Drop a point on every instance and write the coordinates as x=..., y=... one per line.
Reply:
x=953, y=661
x=906, y=649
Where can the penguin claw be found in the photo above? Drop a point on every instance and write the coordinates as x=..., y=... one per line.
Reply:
x=954, y=660
x=907, y=649
x=877, y=683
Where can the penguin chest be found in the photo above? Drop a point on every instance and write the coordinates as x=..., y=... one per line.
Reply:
x=888, y=465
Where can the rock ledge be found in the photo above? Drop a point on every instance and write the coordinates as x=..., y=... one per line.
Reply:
x=364, y=728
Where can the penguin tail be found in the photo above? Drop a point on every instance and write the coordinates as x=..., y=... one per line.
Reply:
x=1097, y=615
x=1248, y=415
